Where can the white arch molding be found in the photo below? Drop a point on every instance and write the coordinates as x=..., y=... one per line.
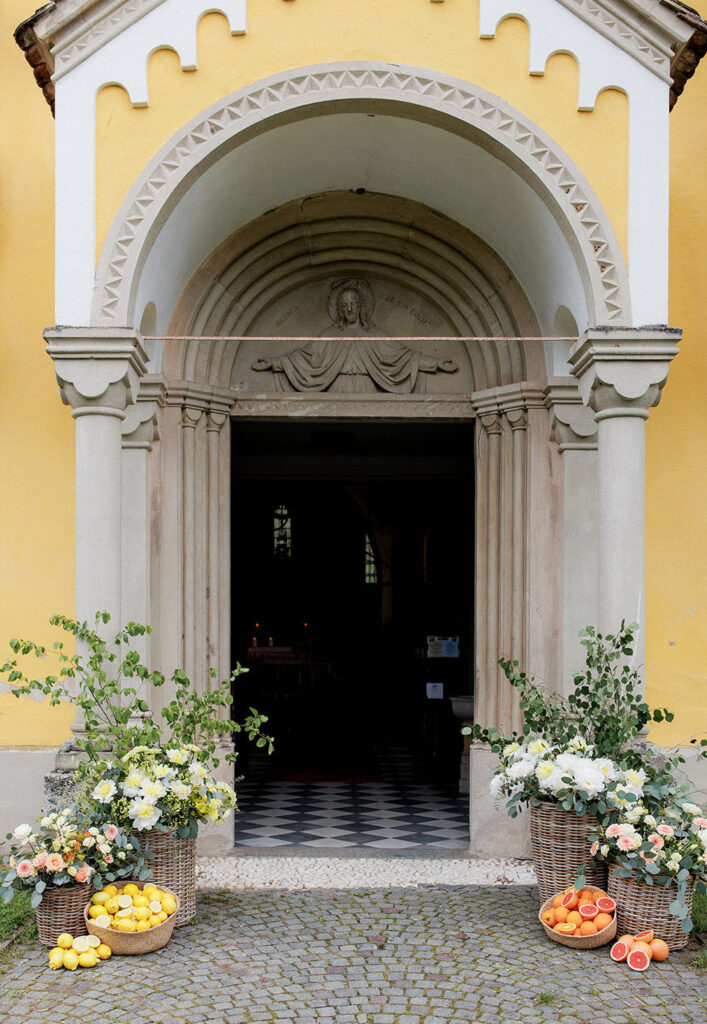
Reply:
x=412, y=94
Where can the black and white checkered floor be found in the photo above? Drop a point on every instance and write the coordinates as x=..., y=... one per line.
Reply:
x=335, y=815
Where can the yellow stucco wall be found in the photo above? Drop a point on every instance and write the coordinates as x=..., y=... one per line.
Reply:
x=37, y=450
x=282, y=36
x=676, y=456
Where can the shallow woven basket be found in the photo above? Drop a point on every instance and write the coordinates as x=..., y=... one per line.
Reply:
x=560, y=846
x=173, y=866
x=578, y=941
x=133, y=943
x=61, y=910
x=640, y=907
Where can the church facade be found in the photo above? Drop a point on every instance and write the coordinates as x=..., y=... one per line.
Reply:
x=285, y=214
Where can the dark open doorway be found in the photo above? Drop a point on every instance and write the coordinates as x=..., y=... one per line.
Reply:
x=352, y=546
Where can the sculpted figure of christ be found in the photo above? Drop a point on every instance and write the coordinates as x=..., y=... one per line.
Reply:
x=345, y=365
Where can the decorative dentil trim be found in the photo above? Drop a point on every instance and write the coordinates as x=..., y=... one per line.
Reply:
x=460, y=100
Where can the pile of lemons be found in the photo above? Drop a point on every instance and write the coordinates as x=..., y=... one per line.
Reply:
x=130, y=909
x=82, y=951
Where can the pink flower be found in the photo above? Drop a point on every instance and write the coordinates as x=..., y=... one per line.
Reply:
x=110, y=831
x=55, y=862
x=40, y=860
x=625, y=843
x=82, y=874
x=657, y=841
x=613, y=831
x=702, y=822
x=666, y=830
x=108, y=859
x=24, y=869
x=594, y=848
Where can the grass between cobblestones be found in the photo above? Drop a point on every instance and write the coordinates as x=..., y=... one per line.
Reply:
x=431, y=955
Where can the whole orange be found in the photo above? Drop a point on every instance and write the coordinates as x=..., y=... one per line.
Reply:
x=558, y=899
x=602, y=921
x=574, y=917
x=561, y=914
x=660, y=949
x=548, y=917
x=588, y=928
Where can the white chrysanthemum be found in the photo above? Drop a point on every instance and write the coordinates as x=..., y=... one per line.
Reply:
x=634, y=813
x=144, y=813
x=162, y=771
x=132, y=782
x=104, y=791
x=567, y=761
x=177, y=755
x=521, y=769
x=180, y=789
x=22, y=832
x=589, y=780
x=510, y=749
x=577, y=743
x=152, y=788
x=197, y=771
x=607, y=767
x=538, y=746
x=635, y=778
x=544, y=769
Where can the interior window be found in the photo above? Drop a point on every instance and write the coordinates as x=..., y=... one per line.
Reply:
x=282, y=532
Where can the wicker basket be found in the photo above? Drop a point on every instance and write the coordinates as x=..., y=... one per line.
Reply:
x=640, y=907
x=173, y=866
x=61, y=910
x=133, y=943
x=560, y=845
x=578, y=941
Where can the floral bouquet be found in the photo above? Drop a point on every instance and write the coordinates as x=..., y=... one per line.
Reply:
x=665, y=848
x=66, y=849
x=573, y=777
x=155, y=787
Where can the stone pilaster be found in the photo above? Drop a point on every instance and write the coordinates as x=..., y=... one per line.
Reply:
x=621, y=373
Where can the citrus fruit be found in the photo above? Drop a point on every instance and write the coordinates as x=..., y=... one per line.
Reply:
x=169, y=904
x=112, y=889
x=564, y=928
x=588, y=911
x=65, y=941
x=603, y=921
x=96, y=911
x=548, y=917
x=588, y=928
x=638, y=960
x=659, y=949
x=112, y=906
x=558, y=899
x=628, y=939
x=131, y=889
x=104, y=921
x=619, y=952
x=570, y=899
x=125, y=900
x=93, y=941
x=125, y=912
x=101, y=897
x=71, y=960
x=103, y=952
x=142, y=913
x=561, y=915
x=644, y=948
x=155, y=906
x=646, y=936
x=56, y=958
x=140, y=901
x=142, y=926
x=574, y=917
x=81, y=943
x=586, y=896
x=163, y=915
x=605, y=904
x=126, y=924
x=88, y=959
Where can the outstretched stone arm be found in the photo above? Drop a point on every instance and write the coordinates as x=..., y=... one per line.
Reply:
x=435, y=365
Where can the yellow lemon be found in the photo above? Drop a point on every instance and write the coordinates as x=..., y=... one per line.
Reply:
x=104, y=952
x=56, y=958
x=155, y=906
x=148, y=889
x=104, y=921
x=140, y=901
x=154, y=921
x=142, y=913
x=142, y=926
x=71, y=960
x=112, y=906
x=163, y=915
x=169, y=904
x=100, y=897
x=93, y=941
x=131, y=889
x=65, y=941
x=125, y=900
x=81, y=943
x=88, y=959
x=112, y=890
x=96, y=911
x=126, y=924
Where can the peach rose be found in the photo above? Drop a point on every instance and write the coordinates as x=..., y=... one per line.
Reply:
x=110, y=831
x=55, y=862
x=82, y=874
x=24, y=869
x=40, y=860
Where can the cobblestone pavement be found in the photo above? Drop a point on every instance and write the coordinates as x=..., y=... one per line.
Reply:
x=434, y=954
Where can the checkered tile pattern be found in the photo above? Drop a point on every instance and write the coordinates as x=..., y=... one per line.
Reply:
x=334, y=815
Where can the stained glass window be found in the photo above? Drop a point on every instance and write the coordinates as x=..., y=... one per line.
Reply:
x=282, y=532
x=370, y=564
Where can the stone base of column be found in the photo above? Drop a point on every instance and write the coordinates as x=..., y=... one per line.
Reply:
x=491, y=832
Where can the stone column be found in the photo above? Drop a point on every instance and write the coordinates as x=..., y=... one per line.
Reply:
x=621, y=373
x=573, y=429
x=97, y=371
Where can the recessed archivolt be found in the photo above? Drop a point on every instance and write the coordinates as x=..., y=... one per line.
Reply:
x=451, y=103
x=392, y=240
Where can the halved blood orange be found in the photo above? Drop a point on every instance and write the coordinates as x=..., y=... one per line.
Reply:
x=588, y=911
x=638, y=960
x=566, y=928
x=570, y=899
x=606, y=905
x=660, y=949
x=619, y=952
x=646, y=936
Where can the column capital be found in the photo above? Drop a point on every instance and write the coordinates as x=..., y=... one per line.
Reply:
x=621, y=371
x=141, y=426
x=97, y=369
x=572, y=423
